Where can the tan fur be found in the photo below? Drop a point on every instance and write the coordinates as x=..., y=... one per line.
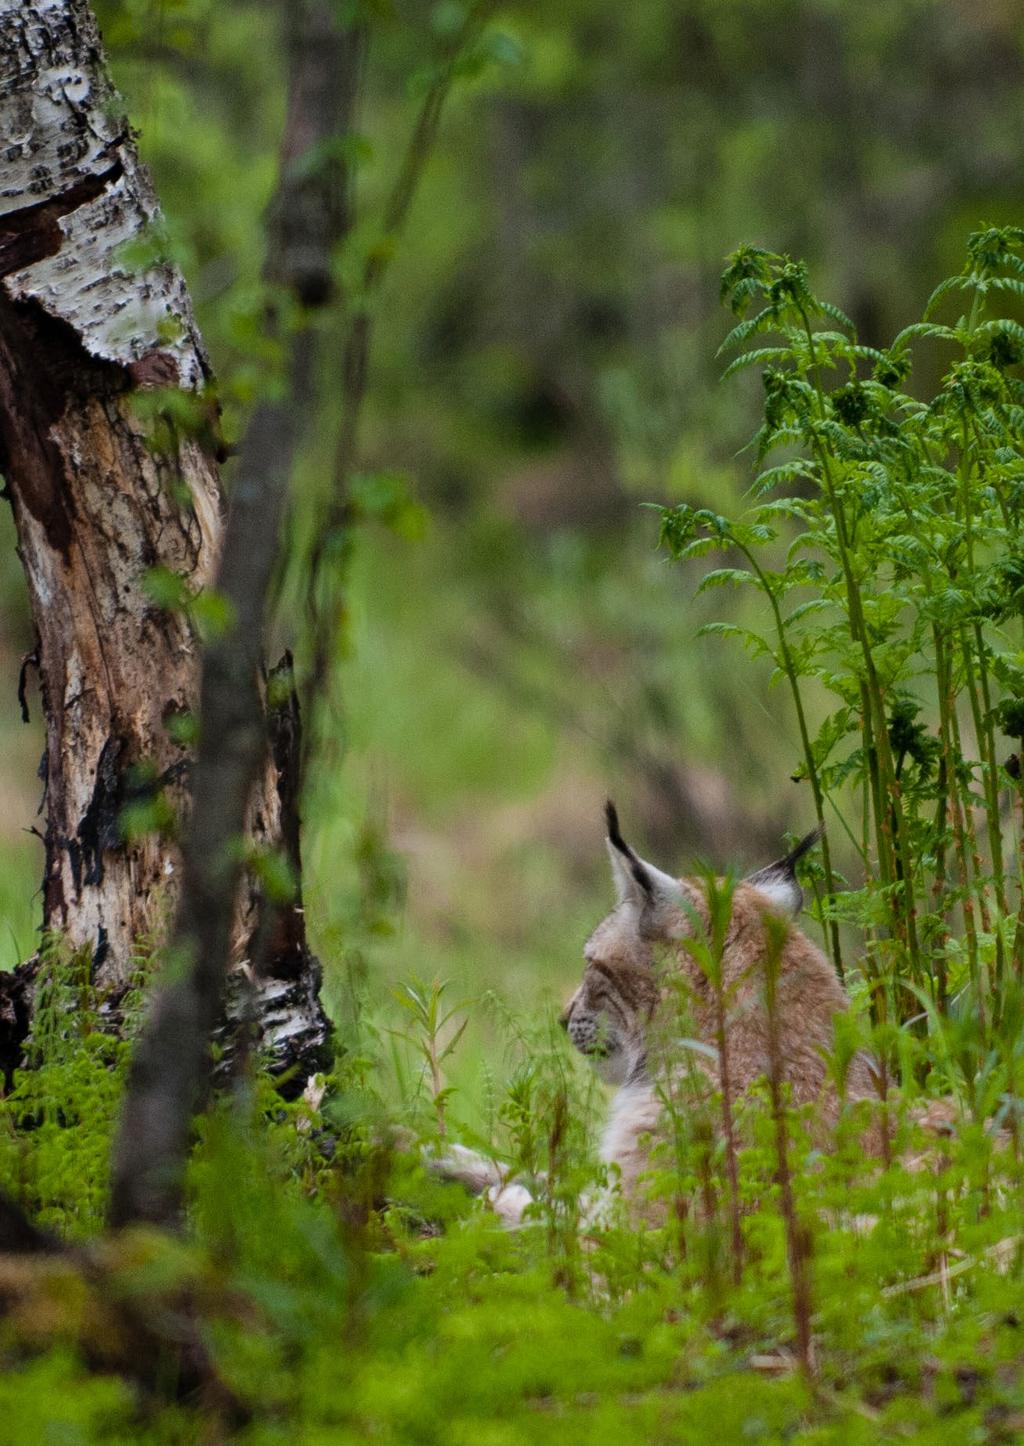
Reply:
x=627, y=1009
x=622, y=1006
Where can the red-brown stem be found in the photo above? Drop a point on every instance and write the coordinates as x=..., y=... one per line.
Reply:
x=797, y=1238
x=729, y=1131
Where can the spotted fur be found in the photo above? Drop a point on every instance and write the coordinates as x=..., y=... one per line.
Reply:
x=622, y=1001
x=621, y=1004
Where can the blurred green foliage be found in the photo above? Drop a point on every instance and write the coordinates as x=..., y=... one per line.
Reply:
x=343, y=1292
x=511, y=648
x=544, y=360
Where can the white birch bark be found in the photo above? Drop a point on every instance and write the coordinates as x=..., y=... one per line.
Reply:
x=83, y=327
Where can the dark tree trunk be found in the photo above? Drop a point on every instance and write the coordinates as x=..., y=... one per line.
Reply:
x=100, y=498
x=171, y=1061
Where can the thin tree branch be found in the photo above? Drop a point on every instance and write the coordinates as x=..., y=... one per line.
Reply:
x=170, y=1068
x=322, y=605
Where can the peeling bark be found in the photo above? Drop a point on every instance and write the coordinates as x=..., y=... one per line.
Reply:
x=170, y=1066
x=83, y=328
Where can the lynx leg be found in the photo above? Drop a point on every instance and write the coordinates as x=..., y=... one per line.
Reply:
x=468, y=1167
x=509, y=1203
x=481, y=1176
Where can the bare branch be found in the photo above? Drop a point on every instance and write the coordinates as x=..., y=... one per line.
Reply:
x=171, y=1066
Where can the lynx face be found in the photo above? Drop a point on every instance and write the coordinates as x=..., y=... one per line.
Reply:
x=608, y=1016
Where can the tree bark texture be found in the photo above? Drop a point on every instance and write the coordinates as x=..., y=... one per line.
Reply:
x=84, y=327
x=170, y=1062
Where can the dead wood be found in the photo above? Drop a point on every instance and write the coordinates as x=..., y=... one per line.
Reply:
x=103, y=493
x=171, y=1064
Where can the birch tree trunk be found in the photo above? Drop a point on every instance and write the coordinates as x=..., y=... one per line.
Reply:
x=97, y=505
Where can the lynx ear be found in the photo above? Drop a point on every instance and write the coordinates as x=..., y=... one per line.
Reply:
x=778, y=881
x=636, y=882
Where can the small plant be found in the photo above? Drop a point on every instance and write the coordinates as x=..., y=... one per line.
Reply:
x=434, y=1036
x=57, y=1120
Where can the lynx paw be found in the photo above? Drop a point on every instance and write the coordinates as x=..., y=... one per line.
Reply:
x=467, y=1167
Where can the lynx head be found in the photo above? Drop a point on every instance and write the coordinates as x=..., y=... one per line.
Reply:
x=607, y=1017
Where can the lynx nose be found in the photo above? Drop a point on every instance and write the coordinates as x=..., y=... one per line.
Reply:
x=580, y=1027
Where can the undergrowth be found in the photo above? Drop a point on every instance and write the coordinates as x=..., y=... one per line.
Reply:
x=346, y=1293
x=804, y=1288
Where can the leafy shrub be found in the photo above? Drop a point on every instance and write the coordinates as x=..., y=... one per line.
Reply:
x=887, y=545
x=796, y=1293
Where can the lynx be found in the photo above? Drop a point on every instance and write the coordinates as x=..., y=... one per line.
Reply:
x=621, y=1000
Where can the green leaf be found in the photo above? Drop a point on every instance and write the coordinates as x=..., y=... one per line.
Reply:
x=925, y=329
x=503, y=49
x=834, y=313
x=386, y=498
x=720, y=630
x=453, y=1042
x=763, y=321
x=274, y=871
x=167, y=589
x=755, y=358
x=813, y=605
x=153, y=815
x=754, y=642
x=952, y=283
x=800, y=470
x=1007, y=283
x=182, y=728
x=725, y=576
x=214, y=613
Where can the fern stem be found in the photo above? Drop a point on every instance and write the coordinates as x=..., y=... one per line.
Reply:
x=891, y=829
x=830, y=928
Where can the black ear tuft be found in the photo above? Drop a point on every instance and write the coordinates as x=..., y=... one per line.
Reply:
x=618, y=843
x=803, y=847
x=779, y=879
x=615, y=838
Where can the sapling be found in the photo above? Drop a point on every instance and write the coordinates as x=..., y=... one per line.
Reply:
x=433, y=1037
